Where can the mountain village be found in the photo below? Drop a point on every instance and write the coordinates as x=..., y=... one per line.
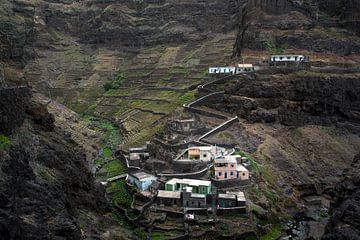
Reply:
x=199, y=181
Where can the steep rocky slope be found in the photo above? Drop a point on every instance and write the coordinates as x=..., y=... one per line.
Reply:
x=47, y=189
x=300, y=126
x=344, y=223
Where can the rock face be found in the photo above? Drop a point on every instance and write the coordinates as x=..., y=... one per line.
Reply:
x=344, y=223
x=45, y=181
x=296, y=99
x=13, y=103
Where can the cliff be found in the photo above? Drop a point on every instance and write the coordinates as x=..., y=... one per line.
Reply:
x=47, y=190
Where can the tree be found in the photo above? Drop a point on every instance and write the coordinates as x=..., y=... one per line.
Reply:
x=243, y=22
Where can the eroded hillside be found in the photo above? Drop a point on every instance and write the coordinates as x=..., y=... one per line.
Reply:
x=125, y=66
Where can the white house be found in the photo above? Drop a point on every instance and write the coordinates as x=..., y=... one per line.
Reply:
x=222, y=70
x=288, y=58
x=202, y=153
x=241, y=68
x=141, y=180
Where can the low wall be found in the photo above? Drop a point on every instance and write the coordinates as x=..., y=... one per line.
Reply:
x=206, y=98
x=220, y=184
x=229, y=211
x=170, y=213
x=197, y=174
x=178, y=146
x=220, y=128
x=205, y=113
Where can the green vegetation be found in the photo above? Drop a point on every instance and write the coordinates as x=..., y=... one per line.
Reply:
x=120, y=195
x=116, y=83
x=272, y=48
x=275, y=233
x=186, y=98
x=45, y=173
x=112, y=168
x=5, y=142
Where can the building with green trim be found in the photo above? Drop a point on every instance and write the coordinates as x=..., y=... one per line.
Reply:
x=197, y=186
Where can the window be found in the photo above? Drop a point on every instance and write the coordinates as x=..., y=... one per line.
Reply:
x=281, y=58
x=219, y=173
x=231, y=173
x=204, y=155
x=232, y=165
x=243, y=174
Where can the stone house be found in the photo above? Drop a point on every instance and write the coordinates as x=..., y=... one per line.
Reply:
x=184, y=125
x=141, y=180
x=231, y=200
x=168, y=198
x=196, y=186
x=193, y=200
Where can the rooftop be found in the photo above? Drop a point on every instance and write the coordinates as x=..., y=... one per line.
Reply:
x=168, y=194
x=225, y=160
x=241, y=168
x=245, y=65
x=240, y=195
x=227, y=196
x=202, y=148
x=287, y=55
x=197, y=195
x=190, y=182
x=186, y=120
x=141, y=175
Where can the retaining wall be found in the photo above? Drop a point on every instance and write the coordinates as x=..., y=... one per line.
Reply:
x=220, y=184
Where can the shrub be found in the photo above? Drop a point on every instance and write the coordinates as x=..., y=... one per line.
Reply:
x=116, y=83
x=274, y=49
x=5, y=142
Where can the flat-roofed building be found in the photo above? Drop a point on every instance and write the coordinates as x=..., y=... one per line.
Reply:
x=168, y=198
x=231, y=199
x=196, y=186
x=227, y=167
x=142, y=180
x=289, y=58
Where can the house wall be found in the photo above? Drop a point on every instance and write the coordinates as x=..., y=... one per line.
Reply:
x=169, y=201
x=143, y=185
x=287, y=58
x=205, y=156
x=226, y=203
x=199, y=189
x=243, y=175
x=192, y=202
x=227, y=172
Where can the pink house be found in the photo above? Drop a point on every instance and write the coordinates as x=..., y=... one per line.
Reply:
x=228, y=168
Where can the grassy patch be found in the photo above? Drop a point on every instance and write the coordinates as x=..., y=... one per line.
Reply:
x=186, y=98
x=5, y=142
x=272, y=48
x=274, y=233
x=115, y=83
x=114, y=168
x=120, y=194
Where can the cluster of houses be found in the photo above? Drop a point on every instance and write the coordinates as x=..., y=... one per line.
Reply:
x=273, y=60
x=197, y=193
x=187, y=193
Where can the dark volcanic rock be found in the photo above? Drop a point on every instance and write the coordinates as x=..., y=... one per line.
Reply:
x=13, y=103
x=295, y=99
x=45, y=182
x=345, y=221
